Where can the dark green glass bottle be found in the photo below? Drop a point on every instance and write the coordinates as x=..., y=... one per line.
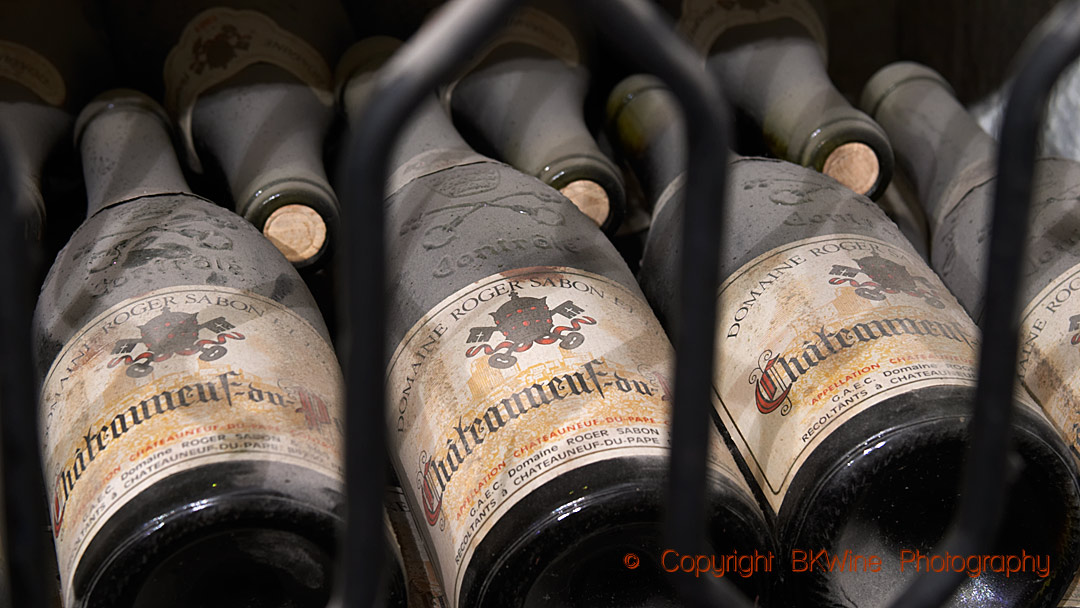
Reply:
x=770, y=60
x=845, y=379
x=524, y=100
x=248, y=83
x=48, y=68
x=189, y=413
x=528, y=392
x=952, y=163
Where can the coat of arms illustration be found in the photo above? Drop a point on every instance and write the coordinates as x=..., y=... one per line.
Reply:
x=524, y=321
x=886, y=277
x=173, y=333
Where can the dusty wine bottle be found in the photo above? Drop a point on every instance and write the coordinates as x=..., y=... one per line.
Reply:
x=524, y=100
x=845, y=379
x=423, y=587
x=528, y=391
x=249, y=86
x=951, y=160
x=770, y=59
x=44, y=80
x=190, y=405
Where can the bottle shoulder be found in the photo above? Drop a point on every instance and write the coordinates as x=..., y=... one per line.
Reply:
x=453, y=227
x=157, y=242
x=774, y=203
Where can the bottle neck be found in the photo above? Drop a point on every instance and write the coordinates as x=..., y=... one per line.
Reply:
x=776, y=72
x=527, y=106
x=265, y=128
x=937, y=142
x=648, y=130
x=428, y=132
x=759, y=65
x=30, y=131
x=126, y=151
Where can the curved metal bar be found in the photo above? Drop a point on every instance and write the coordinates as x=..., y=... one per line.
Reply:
x=26, y=545
x=1056, y=45
x=640, y=31
x=427, y=59
x=413, y=72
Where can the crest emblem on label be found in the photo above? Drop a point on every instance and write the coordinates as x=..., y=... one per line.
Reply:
x=218, y=51
x=886, y=277
x=173, y=333
x=525, y=321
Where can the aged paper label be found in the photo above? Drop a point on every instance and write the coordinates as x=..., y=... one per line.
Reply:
x=821, y=329
x=513, y=381
x=220, y=42
x=29, y=68
x=1049, y=359
x=420, y=577
x=175, y=379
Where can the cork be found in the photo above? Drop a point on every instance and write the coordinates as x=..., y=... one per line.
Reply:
x=855, y=165
x=298, y=231
x=590, y=197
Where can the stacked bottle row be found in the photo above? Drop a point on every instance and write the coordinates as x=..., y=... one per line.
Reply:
x=188, y=374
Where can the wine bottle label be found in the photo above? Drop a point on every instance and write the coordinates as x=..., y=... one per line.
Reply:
x=421, y=579
x=513, y=381
x=29, y=68
x=704, y=21
x=176, y=379
x=220, y=42
x=816, y=331
x=1049, y=359
x=531, y=27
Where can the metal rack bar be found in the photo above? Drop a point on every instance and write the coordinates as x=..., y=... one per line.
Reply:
x=428, y=58
x=643, y=34
x=424, y=62
x=1056, y=43
x=26, y=545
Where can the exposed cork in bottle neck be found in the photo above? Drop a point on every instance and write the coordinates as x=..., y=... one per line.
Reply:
x=855, y=165
x=298, y=231
x=590, y=197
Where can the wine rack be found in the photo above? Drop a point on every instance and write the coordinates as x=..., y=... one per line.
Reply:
x=428, y=59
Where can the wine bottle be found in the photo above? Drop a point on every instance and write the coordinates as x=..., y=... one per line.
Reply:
x=770, y=59
x=47, y=68
x=845, y=380
x=951, y=160
x=249, y=86
x=524, y=100
x=1058, y=134
x=191, y=398
x=423, y=586
x=528, y=391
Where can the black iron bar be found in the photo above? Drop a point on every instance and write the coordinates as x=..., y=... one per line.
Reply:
x=442, y=45
x=644, y=34
x=1051, y=47
x=427, y=59
x=26, y=543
